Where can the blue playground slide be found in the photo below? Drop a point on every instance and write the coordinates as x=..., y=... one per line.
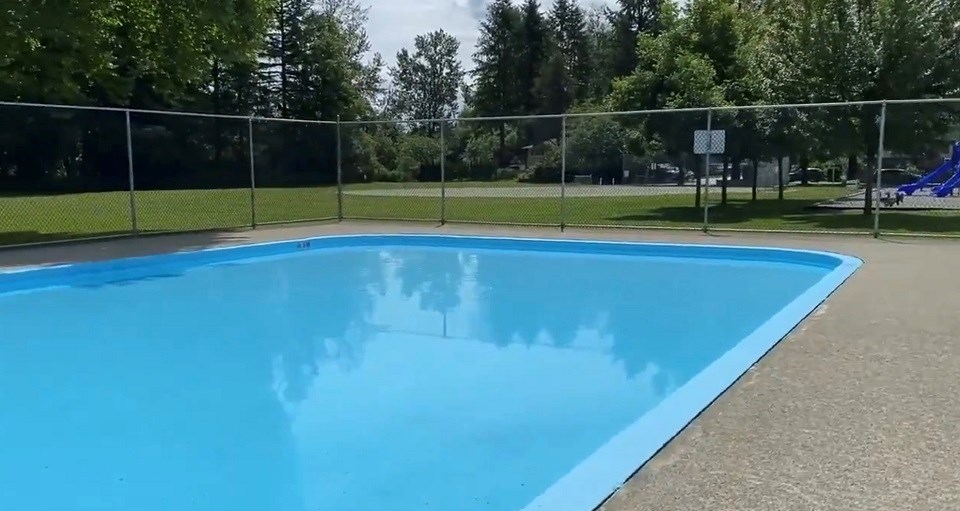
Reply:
x=940, y=190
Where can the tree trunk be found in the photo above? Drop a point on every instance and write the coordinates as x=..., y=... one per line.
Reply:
x=852, y=168
x=217, y=93
x=503, y=144
x=868, y=189
x=779, y=177
x=682, y=171
x=755, y=180
x=723, y=181
x=804, y=165
x=697, y=173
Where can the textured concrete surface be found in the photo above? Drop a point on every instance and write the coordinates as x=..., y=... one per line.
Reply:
x=858, y=409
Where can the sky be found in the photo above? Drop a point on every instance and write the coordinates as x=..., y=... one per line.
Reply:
x=394, y=23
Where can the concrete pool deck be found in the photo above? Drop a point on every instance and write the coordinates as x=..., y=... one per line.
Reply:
x=858, y=409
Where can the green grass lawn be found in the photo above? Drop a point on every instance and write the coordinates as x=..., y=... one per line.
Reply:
x=25, y=219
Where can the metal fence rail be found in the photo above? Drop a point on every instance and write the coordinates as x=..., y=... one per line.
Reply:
x=868, y=167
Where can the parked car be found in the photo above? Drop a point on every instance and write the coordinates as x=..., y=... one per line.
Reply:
x=814, y=175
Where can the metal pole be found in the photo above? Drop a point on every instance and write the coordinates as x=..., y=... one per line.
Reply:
x=253, y=177
x=706, y=183
x=443, y=175
x=879, y=183
x=563, y=173
x=339, y=175
x=133, y=196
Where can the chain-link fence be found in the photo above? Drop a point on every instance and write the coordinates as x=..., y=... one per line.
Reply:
x=881, y=167
x=63, y=174
x=294, y=171
x=190, y=173
x=504, y=171
x=918, y=184
x=392, y=170
x=635, y=170
x=799, y=168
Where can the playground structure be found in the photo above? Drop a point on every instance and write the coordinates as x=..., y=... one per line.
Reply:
x=950, y=166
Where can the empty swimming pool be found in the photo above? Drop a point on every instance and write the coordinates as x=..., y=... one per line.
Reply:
x=376, y=372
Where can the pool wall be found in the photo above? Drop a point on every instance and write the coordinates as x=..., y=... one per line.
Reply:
x=598, y=476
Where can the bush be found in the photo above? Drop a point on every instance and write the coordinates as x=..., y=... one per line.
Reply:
x=417, y=152
x=545, y=174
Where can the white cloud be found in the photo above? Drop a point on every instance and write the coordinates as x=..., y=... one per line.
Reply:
x=394, y=23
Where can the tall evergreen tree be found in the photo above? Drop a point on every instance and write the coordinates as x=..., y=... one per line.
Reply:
x=284, y=53
x=600, y=42
x=497, y=85
x=533, y=37
x=352, y=17
x=568, y=22
x=632, y=18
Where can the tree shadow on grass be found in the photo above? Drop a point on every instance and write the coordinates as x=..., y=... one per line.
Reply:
x=796, y=214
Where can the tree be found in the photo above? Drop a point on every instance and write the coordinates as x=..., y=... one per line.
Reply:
x=600, y=43
x=634, y=17
x=352, y=17
x=284, y=54
x=497, y=90
x=568, y=22
x=845, y=50
x=724, y=34
x=533, y=37
x=428, y=80
x=669, y=76
x=596, y=146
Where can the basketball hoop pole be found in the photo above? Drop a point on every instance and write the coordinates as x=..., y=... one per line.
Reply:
x=879, y=180
x=563, y=173
x=706, y=172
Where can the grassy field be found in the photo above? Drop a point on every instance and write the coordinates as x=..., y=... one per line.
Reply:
x=25, y=219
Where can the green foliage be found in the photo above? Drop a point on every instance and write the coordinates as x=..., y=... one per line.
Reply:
x=631, y=19
x=596, y=145
x=497, y=89
x=415, y=156
x=534, y=47
x=481, y=149
x=428, y=80
x=568, y=22
x=311, y=59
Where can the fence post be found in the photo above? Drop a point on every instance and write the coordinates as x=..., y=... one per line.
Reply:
x=133, y=196
x=563, y=172
x=706, y=172
x=253, y=177
x=339, y=175
x=443, y=174
x=879, y=182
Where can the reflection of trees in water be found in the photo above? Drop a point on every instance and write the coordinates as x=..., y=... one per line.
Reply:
x=434, y=277
x=569, y=302
x=528, y=298
x=525, y=295
x=319, y=311
x=613, y=304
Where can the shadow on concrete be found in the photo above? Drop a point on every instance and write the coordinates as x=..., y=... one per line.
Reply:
x=76, y=249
